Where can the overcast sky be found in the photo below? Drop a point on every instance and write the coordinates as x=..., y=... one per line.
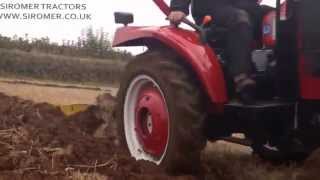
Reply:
x=145, y=12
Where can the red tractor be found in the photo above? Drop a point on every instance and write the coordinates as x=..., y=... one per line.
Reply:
x=176, y=95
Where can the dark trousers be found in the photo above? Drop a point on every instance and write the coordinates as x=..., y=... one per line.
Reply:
x=241, y=21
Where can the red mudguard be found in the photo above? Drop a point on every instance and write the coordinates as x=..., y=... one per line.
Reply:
x=187, y=44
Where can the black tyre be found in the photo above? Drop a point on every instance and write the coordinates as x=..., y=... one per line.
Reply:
x=161, y=112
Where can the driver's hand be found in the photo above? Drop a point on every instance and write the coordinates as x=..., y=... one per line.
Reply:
x=175, y=17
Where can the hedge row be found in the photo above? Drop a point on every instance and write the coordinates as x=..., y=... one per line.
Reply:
x=59, y=68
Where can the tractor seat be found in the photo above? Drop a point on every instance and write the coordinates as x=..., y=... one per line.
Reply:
x=217, y=34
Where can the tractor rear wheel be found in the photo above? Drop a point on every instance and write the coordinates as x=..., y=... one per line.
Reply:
x=160, y=114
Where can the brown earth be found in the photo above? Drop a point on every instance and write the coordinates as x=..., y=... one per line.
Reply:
x=37, y=141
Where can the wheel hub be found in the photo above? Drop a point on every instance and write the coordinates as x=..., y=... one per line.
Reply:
x=151, y=121
x=146, y=120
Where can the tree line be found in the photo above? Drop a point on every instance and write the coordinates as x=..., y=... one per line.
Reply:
x=91, y=43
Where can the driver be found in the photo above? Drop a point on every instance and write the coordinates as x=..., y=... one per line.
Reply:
x=240, y=18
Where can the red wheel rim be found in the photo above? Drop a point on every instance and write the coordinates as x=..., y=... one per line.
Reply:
x=151, y=120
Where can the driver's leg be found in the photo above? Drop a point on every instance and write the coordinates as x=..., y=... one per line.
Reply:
x=239, y=39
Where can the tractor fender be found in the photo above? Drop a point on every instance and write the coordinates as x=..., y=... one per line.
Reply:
x=186, y=43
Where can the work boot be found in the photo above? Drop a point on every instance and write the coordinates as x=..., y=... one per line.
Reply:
x=245, y=89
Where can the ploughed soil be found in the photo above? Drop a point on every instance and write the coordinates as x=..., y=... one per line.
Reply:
x=37, y=141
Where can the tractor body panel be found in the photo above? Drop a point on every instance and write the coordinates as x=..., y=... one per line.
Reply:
x=309, y=82
x=187, y=44
x=309, y=49
x=298, y=48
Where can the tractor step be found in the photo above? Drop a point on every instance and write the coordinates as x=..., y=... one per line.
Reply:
x=256, y=120
x=260, y=110
x=259, y=104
